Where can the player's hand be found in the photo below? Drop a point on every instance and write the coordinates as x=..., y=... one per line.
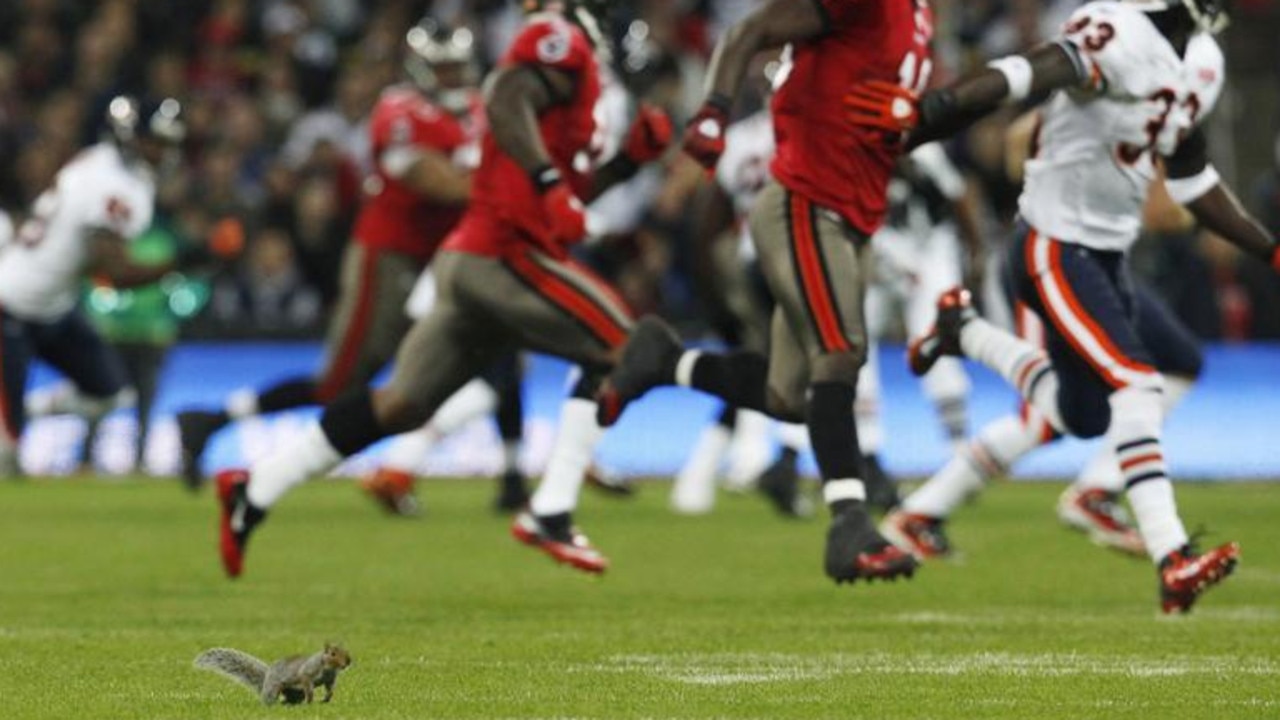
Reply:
x=881, y=105
x=566, y=212
x=704, y=135
x=650, y=135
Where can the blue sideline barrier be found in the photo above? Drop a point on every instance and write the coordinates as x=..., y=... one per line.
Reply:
x=1226, y=428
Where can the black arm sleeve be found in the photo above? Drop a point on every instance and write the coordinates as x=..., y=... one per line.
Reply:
x=1191, y=157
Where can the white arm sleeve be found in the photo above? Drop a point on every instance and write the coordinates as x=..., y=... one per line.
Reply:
x=1189, y=189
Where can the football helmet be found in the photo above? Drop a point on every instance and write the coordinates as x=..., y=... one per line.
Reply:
x=441, y=62
x=593, y=16
x=1211, y=16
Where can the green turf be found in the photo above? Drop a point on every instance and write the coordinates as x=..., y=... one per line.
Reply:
x=107, y=591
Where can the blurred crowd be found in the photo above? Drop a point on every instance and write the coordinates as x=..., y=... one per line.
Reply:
x=276, y=94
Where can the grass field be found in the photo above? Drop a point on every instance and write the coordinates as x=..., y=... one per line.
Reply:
x=108, y=590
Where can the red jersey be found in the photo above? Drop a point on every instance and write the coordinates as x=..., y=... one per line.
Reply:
x=821, y=156
x=506, y=210
x=394, y=217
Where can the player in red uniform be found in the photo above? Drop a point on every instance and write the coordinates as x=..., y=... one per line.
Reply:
x=504, y=277
x=811, y=227
x=425, y=141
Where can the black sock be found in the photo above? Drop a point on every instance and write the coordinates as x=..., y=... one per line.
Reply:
x=558, y=525
x=738, y=378
x=832, y=431
x=350, y=424
x=298, y=392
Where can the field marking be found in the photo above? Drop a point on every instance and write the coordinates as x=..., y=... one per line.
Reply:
x=755, y=668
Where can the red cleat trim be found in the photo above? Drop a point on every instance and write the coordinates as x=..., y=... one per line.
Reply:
x=229, y=547
x=586, y=559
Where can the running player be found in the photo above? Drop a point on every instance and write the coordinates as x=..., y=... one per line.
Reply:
x=1136, y=79
x=425, y=137
x=810, y=227
x=504, y=278
x=80, y=228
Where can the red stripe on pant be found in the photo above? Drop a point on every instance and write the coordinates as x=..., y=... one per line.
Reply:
x=581, y=307
x=338, y=377
x=813, y=280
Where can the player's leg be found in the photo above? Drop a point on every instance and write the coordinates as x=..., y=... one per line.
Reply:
x=1092, y=504
x=882, y=490
x=507, y=379
x=919, y=525
x=15, y=360
x=72, y=347
x=438, y=356
x=562, y=308
x=693, y=492
x=1087, y=298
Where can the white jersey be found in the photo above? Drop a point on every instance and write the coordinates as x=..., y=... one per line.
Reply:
x=1088, y=179
x=743, y=170
x=42, y=267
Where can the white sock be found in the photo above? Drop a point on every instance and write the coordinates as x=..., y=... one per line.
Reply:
x=1136, y=417
x=752, y=451
x=997, y=447
x=866, y=408
x=948, y=387
x=694, y=489
x=242, y=403
x=570, y=458
x=473, y=400
x=409, y=450
x=794, y=436
x=291, y=465
x=1103, y=470
x=1022, y=364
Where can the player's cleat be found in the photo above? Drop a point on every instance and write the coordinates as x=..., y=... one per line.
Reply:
x=855, y=551
x=882, y=488
x=558, y=538
x=1185, y=575
x=393, y=491
x=780, y=483
x=1098, y=513
x=238, y=518
x=649, y=360
x=955, y=308
x=512, y=493
x=609, y=483
x=195, y=428
x=922, y=536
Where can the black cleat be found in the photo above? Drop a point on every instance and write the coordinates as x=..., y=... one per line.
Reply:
x=195, y=428
x=882, y=488
x=955, y=308
x=512, y=493
x=649, y=360
x=856, y=551
x=780, y=483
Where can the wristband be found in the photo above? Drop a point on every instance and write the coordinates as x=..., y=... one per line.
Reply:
x=1018, y=73
x=721, y=102
x=545, y=177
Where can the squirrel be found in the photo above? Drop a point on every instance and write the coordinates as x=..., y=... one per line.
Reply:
x=292, y=679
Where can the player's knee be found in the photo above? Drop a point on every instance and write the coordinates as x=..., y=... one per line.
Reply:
x=398, y=411
x=1086, y=415
x=842, y=367
x=785, y=406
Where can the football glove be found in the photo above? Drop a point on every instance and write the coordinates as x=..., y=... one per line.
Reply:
x=704, y=135
x=881, y=105
x=566, y=214
x=649, y=136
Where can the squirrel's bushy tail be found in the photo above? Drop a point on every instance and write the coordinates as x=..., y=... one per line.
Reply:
x=240, y=666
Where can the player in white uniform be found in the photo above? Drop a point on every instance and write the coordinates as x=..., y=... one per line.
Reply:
x=79, y=228
x=1135, y=80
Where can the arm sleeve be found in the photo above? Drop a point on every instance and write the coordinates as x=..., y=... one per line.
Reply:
x=1190, y=174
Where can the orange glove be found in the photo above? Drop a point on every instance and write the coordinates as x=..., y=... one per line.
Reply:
x=567, y=214
x=881, y=105
x=226, y=239
x=650, y=135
